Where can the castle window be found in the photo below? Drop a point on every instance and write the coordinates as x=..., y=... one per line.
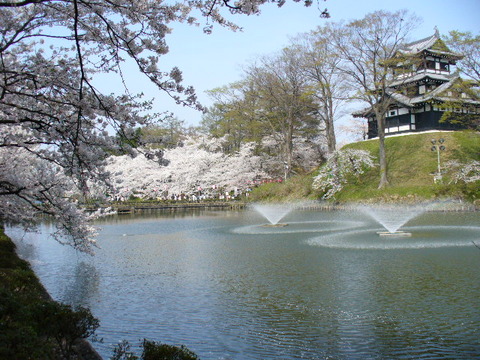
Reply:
x=392, y=112
x=430, y=64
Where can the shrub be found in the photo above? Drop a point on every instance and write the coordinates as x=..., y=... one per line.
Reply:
x=153, y=351
x=31, y=325
x=65, y=325
x=158, y=351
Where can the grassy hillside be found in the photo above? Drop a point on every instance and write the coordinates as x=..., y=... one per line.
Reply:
x=411, y=165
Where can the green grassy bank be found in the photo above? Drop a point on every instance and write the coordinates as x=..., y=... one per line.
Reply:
x=411, y=168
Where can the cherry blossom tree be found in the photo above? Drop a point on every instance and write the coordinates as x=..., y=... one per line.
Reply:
x=198, y=168
x=30, y=186
x=50, y=54
x=307, y=154
x=339, y=167
x=463, y=172
x=355, y=129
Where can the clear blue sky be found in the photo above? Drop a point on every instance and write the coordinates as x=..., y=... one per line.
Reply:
x=210, y=61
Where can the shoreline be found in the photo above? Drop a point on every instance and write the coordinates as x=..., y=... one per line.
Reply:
x=83, y=348
x=147, y=206
x=130, y=207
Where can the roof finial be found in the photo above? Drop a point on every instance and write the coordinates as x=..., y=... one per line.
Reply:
x=437, y=33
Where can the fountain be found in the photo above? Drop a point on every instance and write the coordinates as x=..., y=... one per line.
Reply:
x=392, y=218
x=342, y=276
x=274, y=213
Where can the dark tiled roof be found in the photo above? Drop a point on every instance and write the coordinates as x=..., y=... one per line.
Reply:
x=420, y=76
x=420, y=45
x=436, y=94
x=425, y=45
x=432, y=95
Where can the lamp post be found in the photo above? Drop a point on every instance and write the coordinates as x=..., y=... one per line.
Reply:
x=285, y=164
x=438, y=148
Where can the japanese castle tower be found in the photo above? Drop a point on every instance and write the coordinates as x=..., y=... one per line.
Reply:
x=422, y=80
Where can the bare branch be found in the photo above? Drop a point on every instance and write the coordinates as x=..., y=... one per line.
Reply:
x=14, y=4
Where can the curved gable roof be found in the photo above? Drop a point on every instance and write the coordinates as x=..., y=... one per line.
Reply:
x=420, y=45
x=433, y=44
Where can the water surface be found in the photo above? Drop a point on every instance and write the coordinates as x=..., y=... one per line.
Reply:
x=323, y=287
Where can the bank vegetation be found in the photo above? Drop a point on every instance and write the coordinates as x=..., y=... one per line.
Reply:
x=413, y=172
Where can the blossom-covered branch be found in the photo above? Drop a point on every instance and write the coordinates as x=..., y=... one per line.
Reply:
x=54, y=118
x=340, y=165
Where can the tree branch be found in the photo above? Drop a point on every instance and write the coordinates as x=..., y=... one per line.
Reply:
x=13, y=4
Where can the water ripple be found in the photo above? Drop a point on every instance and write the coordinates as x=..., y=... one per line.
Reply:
x=422, y=237
x=299, y=227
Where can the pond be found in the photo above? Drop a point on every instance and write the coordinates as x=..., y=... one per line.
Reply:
x=325, y=286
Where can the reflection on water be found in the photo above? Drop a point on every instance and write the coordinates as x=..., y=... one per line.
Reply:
x=324, y=287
